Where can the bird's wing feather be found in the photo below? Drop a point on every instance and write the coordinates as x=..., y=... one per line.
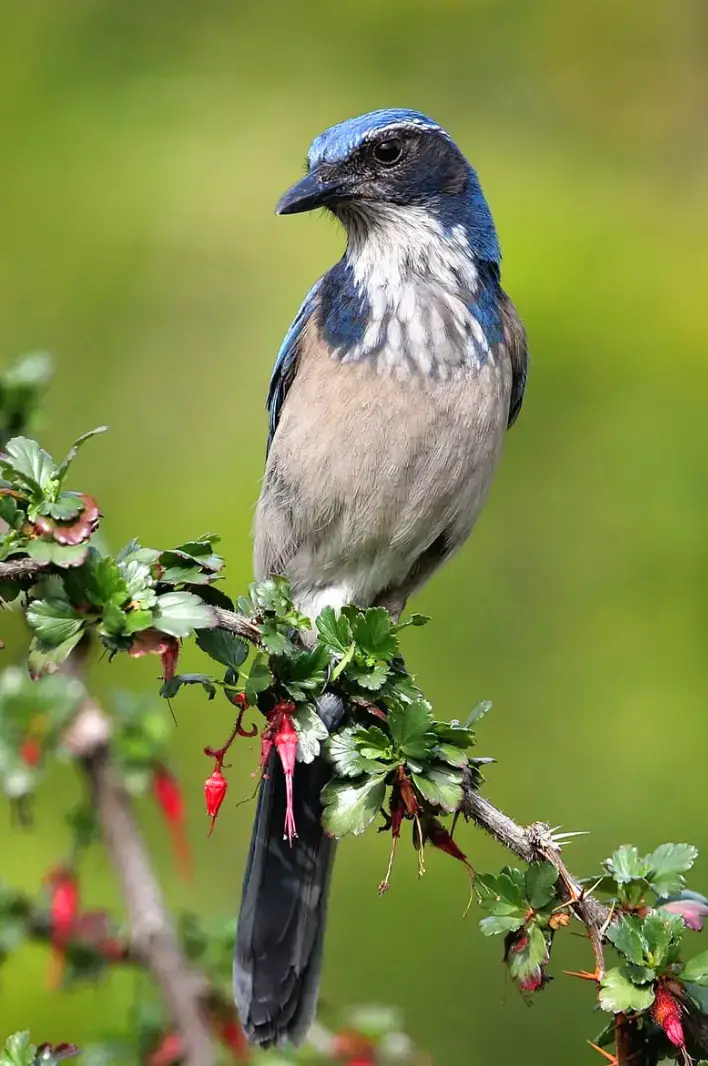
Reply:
x=286, y=363
x=514, y=340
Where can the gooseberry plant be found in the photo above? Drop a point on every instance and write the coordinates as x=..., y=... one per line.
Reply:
x=392, y=763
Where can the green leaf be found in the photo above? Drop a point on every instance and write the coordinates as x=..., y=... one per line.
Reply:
x=304, y=673
x=371, y=677
x=24, y=458
x=374, y=744
x=18, y=1051
x=695, y=971
x=663, y=934
x=103, y=581
x=63, y=467
x=540, y=880
x=374, y=634
x=311, y=733
x=627, y=937
x=504, y=894
x=451, y=754
x=411, y=728
x=224, y=647
x=619, y=995
x=667, y=864
x=625, y=865
x=258, y=678
x=334, y=631
x=178, y=613
x=49, y=552
x=275, y=638
x=441, y=786
x=412, y=620
x=41, y=660
x=453, y=733
x=478, y=713
x=54, y=621
x=351, y=806
x=170, y=688
x=67, y=505
x=524, y=962
x=343, y=752
x=494, y=924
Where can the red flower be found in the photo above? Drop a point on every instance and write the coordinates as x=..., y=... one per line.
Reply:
x=169, y=1053
x=152, y=642
x=666, y=1012
x=63, y=909
x=215, y=788
x=167, y=792
x=30, y=751
x=692, y=911
x=231, y=1035
x=286, y=746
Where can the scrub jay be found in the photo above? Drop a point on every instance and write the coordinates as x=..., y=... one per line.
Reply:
x=388, y=405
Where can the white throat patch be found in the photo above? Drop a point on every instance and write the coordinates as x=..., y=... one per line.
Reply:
x=419, y=280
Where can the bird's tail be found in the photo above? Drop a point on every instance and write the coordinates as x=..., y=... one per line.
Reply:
x=279, y=940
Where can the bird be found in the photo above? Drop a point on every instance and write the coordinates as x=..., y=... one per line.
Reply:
x=388, y=406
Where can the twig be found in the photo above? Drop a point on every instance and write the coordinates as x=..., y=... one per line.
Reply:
x=536, y=842
x=152, y=936
x=19, y=568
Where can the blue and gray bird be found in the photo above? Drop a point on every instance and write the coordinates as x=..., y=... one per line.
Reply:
x=389, y=402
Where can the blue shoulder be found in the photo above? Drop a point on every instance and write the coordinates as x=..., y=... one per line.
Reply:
x=285, y=364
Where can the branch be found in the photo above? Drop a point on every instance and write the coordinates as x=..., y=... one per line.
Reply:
x=536, y=842
x=152, y=936
x=18, y=568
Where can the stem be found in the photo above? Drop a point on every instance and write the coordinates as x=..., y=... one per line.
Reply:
x=536, y=842
x=151, y=933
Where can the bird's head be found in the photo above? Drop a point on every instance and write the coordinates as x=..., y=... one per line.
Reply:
x=371, y=168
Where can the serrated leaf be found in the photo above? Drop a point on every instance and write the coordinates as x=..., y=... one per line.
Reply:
x=627, y=937
x=103, y=581
x=540, y=880
x=667, y=864
x=625, y=865
x=695, y=971
x=311, y=733
x=478, y=713
x=170, y=688
x=67, y=505
x=24, y=458
x=351, y=806
x=440, y=786
x=451, y=754
x=494, y=924
x=526, y=959
x=371, y=678
x=224, y=647
x=49, y=552
x=179, y=613
x=18, y=1051
x=54, y=621
x=63, y=467
x=374, y=634
x=373, y=743
x=663, y=934
x=504, y=894
x=411, y=729
x=334, y=631
x=619, y=995
x=42, y=660
x=343, y=752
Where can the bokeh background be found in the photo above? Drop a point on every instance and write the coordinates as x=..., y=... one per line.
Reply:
x=142, y=148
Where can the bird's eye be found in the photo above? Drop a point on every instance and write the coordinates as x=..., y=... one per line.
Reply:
x=388, y=152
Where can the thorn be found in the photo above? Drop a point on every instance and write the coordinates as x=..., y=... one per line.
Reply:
x=582, y=974
x=605, y=1054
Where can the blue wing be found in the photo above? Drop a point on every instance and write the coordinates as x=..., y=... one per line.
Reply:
x=286, y=363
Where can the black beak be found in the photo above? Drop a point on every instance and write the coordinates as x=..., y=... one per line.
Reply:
x=310, y=192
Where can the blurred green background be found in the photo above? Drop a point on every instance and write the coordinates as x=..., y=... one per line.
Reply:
x=142, y=149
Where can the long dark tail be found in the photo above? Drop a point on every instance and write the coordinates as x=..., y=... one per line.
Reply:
x=279, y=941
